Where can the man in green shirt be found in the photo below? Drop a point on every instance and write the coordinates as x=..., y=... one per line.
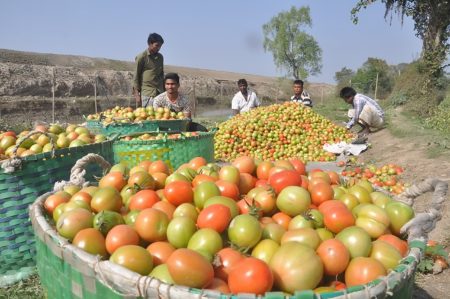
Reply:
x=149, y=75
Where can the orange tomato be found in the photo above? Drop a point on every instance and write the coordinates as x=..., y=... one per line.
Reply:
x=120, y=235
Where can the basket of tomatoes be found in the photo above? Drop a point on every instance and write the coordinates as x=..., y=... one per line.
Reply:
x=244, y=230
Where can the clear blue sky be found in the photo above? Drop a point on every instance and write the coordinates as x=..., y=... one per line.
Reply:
x=218, y=35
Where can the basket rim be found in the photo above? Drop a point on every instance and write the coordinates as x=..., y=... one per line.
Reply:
x=201, y=135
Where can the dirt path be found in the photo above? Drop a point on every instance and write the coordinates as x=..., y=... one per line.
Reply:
x=411, y=153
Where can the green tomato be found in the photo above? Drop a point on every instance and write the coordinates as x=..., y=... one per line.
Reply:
x=273, y=231
x=180, y=230
x=399, y=213
x=186, y=210
x=265, y=249
x=161, y=272
x=244, y=231
x=293, y=200
x=205, y=191
x=357, y=241
x=205, y=240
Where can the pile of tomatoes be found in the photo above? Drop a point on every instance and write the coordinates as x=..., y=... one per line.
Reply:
x=245, y=227
x=278, y=132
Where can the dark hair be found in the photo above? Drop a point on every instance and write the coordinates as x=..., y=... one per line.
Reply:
x=347, y=92
x=172, y=76
x=242, y=82
x=298, y=82
x=155, y=38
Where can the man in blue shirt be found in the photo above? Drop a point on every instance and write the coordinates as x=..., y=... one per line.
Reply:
x=366, y=112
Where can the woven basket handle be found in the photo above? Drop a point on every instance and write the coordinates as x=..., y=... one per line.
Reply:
x=78, y=171
x=422, y=224
x=52, y=142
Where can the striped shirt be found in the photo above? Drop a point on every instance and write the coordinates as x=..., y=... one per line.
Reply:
x=181, y=104
x=359, y=101
x=304, y=98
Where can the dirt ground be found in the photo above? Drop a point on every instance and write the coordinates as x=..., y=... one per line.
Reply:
x=411, y=154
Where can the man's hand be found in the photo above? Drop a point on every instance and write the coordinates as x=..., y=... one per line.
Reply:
x=138, y=99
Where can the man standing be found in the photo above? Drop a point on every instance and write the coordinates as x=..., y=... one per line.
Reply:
x=366, y=112
x=300, y=95
x=172, y=98
x=245, y=99
x=148, y=78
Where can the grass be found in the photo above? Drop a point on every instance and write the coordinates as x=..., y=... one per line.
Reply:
x=27, y=289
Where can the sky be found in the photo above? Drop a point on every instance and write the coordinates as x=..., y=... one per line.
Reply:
x=209, y=34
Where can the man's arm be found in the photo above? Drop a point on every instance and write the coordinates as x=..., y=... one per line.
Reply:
x=358, y=105
x=138, y=81
x=235, y=105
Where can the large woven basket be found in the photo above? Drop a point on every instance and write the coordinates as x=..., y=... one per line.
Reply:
x=172, y=151
x=69, y=272
x=144, y=126
x=33, y=176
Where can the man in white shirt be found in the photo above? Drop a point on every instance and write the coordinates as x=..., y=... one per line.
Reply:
x=366, y=112
x=245, y=99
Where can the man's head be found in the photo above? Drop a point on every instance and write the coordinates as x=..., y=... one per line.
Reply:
x=242, y=84
x=171, y=83
x=298, y=87
x=155, y=42
x=348, y=94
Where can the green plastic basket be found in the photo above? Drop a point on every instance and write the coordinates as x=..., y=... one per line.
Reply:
x=144, y=126
x=174, y=152
x=20, y=188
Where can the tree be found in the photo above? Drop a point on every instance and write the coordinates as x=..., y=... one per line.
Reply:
x=344, y=76
x=293, y=49
x=366, y=76
x=432, y=25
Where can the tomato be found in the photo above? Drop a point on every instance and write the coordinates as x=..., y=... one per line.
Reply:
x=197, y=162
x=83, y=196
x=361, y=193
x=176, y=177
x=337, y=219
x=262, y=171
x=151, y=225
x=229, y=173
x=324, y=234
x=273, y=231
x=296, y=267
x=142, y=179
x=283, y=179
x=246, y=183
x=386, y=254
x=282, y=219
x=216, y=217
x=300, y=221
x=349, y=200
x=226, y=201
x=362, y=270
x=330, y=205
x=244, y=164
x=334, y=177
x=206, y=241
x=113, y=179
x=380, y=199
x=357, y=241
x=338, y=191
x=316, y=217
x=218, y=285
x=120, y=235
x=160, y=252
x=225, y=260
x=201, y=178
x=265, y=249
x=165, y=207
x=338, y=285
x=161, y=272
x=53, y=201
x=180, y=230
x=399, y=244
x=189, y=268
x=160, y=180
x=321, y=192
x=249, y=206
x=244, y=231
x=143, y=199
x=90, y=240
x=188, y=172
x=134, y=258
x=334, y=255
x=399, y=213
x=205, y=191
x=267, y=201
x=107, y=198
x=71, y=189
x=250, y=275
x=293, y=200
x=306, y=236
x=71, y=222
x=158, y=166
x=179, y=192
x=299, y=166
x=366, y=185
x=228, y=189
x=186, y=210
x=373, y=220
x=126, y=194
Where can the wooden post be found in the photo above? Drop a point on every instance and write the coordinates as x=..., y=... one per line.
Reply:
x=321, y=96
x=376, y=87
x=95, y=92
x=53, y=94
x=194, y=106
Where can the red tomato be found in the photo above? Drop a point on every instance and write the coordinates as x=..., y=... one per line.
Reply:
x=401, y=245
x=158, y=166
x=283, y=179
x=227, y=259
x=262, y=183
x=244, y=164
x=160, y=252
x=165, y=207
x=113, y=179
x=90, y=240
x=216, y=217
x=228, y=189
x=144, y=199
x=362, y=270
x=81, y=195
x=219, y=285
x=299, y=166
x=151, y=225
x=334, y=255
x=337, y=219
x=179, y=192
x=134, y=258
x=121, y=235
x=246, y=183
x=282, y=219
x=200, y=178
x=189, y=268
x=142, y=179
x=53, y=201
x=320, y=193
x=251, y=275
x=197, y=162
x=331, y=205
x=262, y=171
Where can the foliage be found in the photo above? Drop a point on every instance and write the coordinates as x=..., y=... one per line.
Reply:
x=344, y=76
x=292, y=48
x=26, y=289
x=431, y=254
x=366, y=77
x=441, y=118
x=432, y=25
